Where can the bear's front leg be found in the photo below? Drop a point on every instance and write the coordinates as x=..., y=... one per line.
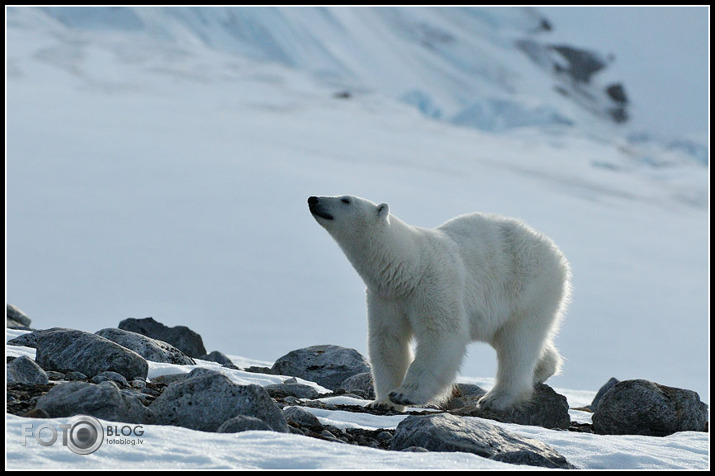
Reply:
x=389, y=337
x=437, y=360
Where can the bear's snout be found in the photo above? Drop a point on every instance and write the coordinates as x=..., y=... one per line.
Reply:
x=317, y=210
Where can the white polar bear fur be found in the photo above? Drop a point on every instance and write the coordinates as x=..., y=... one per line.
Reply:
x=477, y=277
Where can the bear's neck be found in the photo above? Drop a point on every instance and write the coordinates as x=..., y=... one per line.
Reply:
x=387, y=259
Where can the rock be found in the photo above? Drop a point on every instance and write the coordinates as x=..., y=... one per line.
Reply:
x=206, y=399
x=258, y=370
x=16, y=319
x=601, y=392
x=24, y=370
x=641, y=407
x=53, y=375
x=219, y=358
x=181, y=337
x=64, y=350
x=297, y=390
x=30, y=339
x=36, y=413
x=104, y=401
x=445, y=432
x=546, y=408
x=464, y=395
x=327, y=365
x=300, y=416
x=243, y=423
x=150, y=349
x=109, y=376
x=168, y=379
x=73, y=375
x=359, y=384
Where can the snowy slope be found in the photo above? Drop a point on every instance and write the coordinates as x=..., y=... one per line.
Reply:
x=153, y=171
x=181, y=448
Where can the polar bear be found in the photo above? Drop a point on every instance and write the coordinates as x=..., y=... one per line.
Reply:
x=477, y=277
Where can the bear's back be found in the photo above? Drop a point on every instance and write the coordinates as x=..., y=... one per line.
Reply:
x=502, y=247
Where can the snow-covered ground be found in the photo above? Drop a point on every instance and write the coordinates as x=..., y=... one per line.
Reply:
x=181, y=448
x=161, y=171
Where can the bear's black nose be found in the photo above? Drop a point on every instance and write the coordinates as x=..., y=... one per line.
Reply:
x=312, y=200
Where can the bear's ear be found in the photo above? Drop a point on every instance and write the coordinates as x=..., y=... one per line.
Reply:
x=383, y=210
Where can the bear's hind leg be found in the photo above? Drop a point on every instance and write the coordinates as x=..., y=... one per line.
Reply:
x=519, y=347
x=549, y=364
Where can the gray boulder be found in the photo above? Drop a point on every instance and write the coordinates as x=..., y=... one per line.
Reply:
x=30, y=339
x=16, y=319
x=464, y=395
x=102, y=401
x=65, y=349
x=109, y=376
x=150, y=349
x=546, y=408
x=291, y=388
x=205, y=399
x=445, y=432
x=301, y=416
x=241, y=423
x=219, y=358
x=181, y=337
x=359, y=384
x=601, y=392
x=641, y=407
x=24, y=370
x=327, y=365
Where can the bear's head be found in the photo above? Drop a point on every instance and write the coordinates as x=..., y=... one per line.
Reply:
x=347, y=216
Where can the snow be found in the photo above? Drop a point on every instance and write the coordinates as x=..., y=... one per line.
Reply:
x=181, y=448
x=158, y=166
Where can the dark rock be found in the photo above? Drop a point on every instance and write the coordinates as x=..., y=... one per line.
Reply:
x=205, y=400
x=73, y=375
x=301, y=417
x=415, y=449
x=54, y=375
x=30, y=339
x=219, y=358
x=359, y=384
x=104, y=401
x=601, y=392
x=582, y=64
x=64, y=350
x=181, y=337
x=36, y=413
x=445, y=432
x=168, y=379
x=22, y=398
x=24, y=370
x=16, y=319
x=110, y=376
x=546, y=408
x=150, y=349
x=464, y=395
x=617, y=92
x=259, y=370
x=327, y=365
x=297, y=390
x=641, y=407
x=241, y=423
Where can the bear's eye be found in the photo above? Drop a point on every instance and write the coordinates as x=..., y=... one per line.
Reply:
x=345, y=201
